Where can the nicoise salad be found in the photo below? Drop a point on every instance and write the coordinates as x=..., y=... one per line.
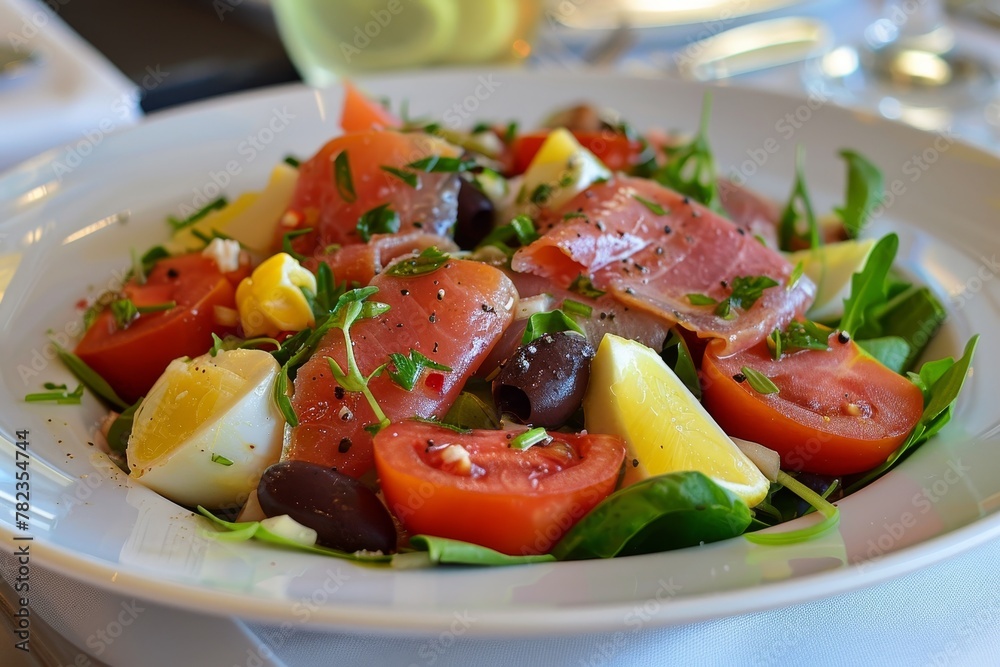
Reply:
x=500, y=345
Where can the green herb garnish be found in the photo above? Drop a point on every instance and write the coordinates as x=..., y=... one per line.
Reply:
x=746, y=290
x=759, y=382
x=865, y=190
x=179, y=224
x=869, y=287
x=831, y=516
x=429, y=260
x=59, y=396
x=343, y=179
x=379, y=220
x=89, y=377
x=443, y=424
x=292, y=161
x=286, y=243
x=798, y=208
x=584, y=287
x=440, y=164
x=691, y=167
x=407, y=177
x=553, y=321
x=572, y=307
x=125, y=312
x=655, y=208
x=798, y=336
x=121, y=428
x=701, y=300
x=409, y=368
x=530, y=438
x=221, y=460
x=351, y=307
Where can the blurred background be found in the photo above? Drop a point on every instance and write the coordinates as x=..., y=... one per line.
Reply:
x=925, y=62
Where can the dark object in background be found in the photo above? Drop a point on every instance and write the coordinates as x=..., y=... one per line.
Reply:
x=179, y=51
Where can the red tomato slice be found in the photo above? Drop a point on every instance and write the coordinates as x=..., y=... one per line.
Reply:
x=131, y=359
x=360, y=113
x=616, y=151
x=837, y=411
x=516, y=502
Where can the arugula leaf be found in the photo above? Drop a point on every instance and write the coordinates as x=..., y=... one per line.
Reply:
x=691, y=167
x=584, y=287
x=799, y=206
x=342, y=178
x=915, y=315
x=671, y=511
x=438, y=164
x=231, y=531
x=865, y=190
x=869, y=287
x=469, y=412
x=379, y=220
x=178, y=224
x=941, y=382
x=121, y=428
x=408, y=369
x=407, y=177
x=891, y=351
x=429, y=260
x=759, y=382
x=60, y=396
x=444, y=551
x=676, y=354
x=89, y=377
x=552, y=321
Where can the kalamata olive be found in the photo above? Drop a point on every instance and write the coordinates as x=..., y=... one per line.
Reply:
x=346, y=514
x=543, y=382
x=475, y=216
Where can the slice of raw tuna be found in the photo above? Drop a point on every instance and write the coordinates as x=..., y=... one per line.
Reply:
x=453, y=316
x=657, y=251
x=334, y=191
x=360, y=262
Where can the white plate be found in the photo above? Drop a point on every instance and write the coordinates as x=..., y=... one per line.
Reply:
x=61, y=238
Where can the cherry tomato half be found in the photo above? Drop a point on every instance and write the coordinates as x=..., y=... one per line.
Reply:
x=475, y=487
x=837, y=411
x=131, y=359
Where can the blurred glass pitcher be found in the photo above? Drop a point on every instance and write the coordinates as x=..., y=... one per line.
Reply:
x=327, y=39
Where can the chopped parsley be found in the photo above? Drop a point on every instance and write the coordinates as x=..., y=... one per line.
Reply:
x=342, y=178
x=379, y=220
x=409, y=368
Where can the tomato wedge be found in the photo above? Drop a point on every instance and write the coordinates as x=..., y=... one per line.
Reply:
x=616, y=151
x=131, y=359
x=837, y=411
x=361, y=113
x=475, y=487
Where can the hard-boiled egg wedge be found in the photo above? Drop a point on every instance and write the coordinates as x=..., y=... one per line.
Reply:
x=271, y=299
x=250, y=219
x=633, y=394
x=831, y=266
x=208, y=428
x=560, y=170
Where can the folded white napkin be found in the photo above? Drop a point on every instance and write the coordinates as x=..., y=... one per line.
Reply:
x=71, y=96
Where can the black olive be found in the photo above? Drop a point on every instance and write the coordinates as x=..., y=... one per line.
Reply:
x=346, y=513
x=543, y=382
x=475, y=216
